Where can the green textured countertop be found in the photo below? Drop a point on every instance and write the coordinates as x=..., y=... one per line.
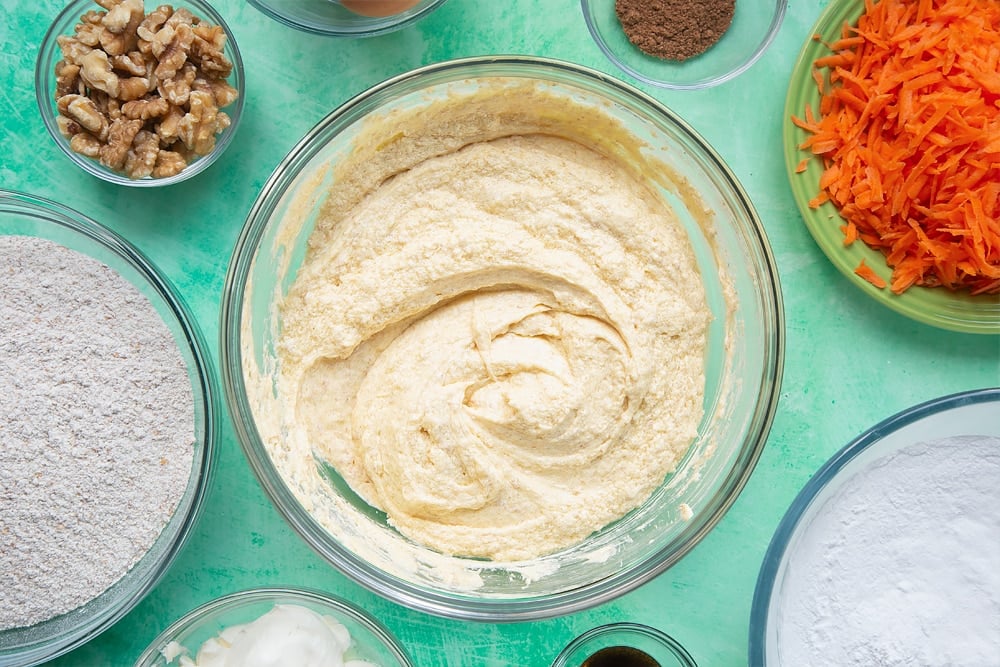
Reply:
x=850, y=361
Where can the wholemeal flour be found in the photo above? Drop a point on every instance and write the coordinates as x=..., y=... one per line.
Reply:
x=96, y=428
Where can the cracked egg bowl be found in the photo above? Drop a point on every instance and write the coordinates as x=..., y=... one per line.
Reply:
x=502, y=338
x=347, y=18
x=121, y=108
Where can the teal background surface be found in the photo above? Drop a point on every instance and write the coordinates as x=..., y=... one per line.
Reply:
x=850, y=361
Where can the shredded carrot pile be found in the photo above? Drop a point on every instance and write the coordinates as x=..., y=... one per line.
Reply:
x=908, y=129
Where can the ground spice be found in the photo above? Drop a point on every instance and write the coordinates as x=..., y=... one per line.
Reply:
x=674, y=29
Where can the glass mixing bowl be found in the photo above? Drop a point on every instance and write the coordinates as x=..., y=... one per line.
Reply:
x=370, y=640
x=25, y=215
x=743, y=361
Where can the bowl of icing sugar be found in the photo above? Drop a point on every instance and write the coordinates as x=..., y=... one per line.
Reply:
x=890, y=554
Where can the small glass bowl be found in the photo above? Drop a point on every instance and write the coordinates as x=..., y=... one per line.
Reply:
x=330, y=17
x=970, y=413
x=370, y=640
x=49, y=54
x=620, y=640
x=24, y=215
x=744, y=358
x=754, y=26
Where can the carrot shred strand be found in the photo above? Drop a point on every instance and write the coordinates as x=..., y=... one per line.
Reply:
x=869, y=274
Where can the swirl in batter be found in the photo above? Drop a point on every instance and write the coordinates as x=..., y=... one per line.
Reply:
x=500, y=346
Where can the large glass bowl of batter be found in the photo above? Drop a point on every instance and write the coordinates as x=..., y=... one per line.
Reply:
x=742, y=360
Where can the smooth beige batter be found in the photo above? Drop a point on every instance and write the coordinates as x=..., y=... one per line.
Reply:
x=498, y=341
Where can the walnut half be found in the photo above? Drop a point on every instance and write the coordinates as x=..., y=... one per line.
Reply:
x=142, y=92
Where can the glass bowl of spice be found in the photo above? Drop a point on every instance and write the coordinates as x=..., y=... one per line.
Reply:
x=889, y=553
x=683, y=44
x=347, y=18
x=624, y=645
x=542, y=291
x=269, y=626
x=140, y=95
x=108, y=429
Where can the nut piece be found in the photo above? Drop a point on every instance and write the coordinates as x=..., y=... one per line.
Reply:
x=67, y=79
x=141, y=158
x=96, y=72
x=143, y=92
x=168, y=163
x=67, y=126
x=85, y=112
x=120, y=25
x=133, y=63
x=171, y=46
x=146, y=108
x=177, y=88
x=153, y=22
x=132, y=88
x=197, y=128
x=73, y=50
x=121, y=133
x=86, y=144
x=169, y=128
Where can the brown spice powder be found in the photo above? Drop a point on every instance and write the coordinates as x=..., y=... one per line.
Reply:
x=674, y=29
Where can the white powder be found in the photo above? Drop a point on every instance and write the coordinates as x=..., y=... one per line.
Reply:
x=901, y=566
x=96, y=428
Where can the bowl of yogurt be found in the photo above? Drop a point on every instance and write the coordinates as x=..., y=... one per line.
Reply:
x=271, y=626
x=502, y=338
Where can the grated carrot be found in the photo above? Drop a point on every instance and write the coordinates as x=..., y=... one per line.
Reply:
x=869, y=274
x=908, y=129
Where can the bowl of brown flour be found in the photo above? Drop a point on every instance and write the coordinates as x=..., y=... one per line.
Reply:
x=683, y=44
x=106, y=432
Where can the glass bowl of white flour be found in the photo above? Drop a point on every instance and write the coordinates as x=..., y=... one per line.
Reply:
x=502, y=338
x=107, y=430
x=890, y=553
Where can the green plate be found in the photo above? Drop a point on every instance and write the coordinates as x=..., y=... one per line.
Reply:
x=957, y=311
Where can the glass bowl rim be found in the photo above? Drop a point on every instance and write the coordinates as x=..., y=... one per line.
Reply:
x=58, y=214
x=705, y=82
x=666, y=641
x=47, y=56
x=267, y=593
x=467, y=607
x=767, y=576
x=372, y=27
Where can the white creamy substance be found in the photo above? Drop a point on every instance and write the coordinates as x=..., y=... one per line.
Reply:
x=287, y=635
x=497, y=335
x=901, y=567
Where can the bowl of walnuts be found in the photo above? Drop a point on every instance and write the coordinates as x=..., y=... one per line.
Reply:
x=140, y=96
